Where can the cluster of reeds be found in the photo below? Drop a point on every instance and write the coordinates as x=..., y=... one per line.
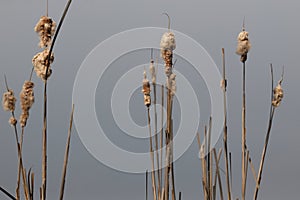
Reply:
x=211, y=179
x=46, y=29
x=163, y=180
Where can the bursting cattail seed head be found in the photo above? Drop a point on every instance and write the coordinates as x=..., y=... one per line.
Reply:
x=146, y=91
x=39, y=62
x=167, y=46
x=46, y=29
x=278, y=95
x=167, y=42
x=243, y=46
x=9, y=101
x=26, y=101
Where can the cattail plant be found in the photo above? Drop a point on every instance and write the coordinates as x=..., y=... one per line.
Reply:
x=153, y=71
x=147, y=102
x=41, y=65
x=8, y=103
x=243, y=48
x=167, y=46
x=276, y=98
x=45, y=76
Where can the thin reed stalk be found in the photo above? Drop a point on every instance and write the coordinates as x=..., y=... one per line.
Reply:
x=210, y=161
x=7, y=193
x=156, y=136
x=146, y=185
x=230, y=167
x=271, y=116
x=244, y=134
x=152, y=158
x=217, y=175
x=224, y=87
x=63, y=180
x=162, y=132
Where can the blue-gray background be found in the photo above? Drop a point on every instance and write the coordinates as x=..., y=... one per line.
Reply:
x=214, y=24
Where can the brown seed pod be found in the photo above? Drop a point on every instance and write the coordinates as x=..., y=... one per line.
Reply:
x=26, y=101
x=46, y=29
x=9, y=101
x=146, y=91
x=243, y=46
x=278, y=95
x=40, y=61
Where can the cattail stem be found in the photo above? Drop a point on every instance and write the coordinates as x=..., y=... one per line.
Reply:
x=244, y=134
x=272, y=112
x=19, y=166
x=152, y=157
x=44, y=140
x=63, y=180
x=217, y=175
x=146, y=185
x=209, y=163
x=162, y=131
x=156, y=141
x=225, y=127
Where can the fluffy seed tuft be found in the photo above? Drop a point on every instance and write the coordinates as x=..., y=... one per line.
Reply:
x=278, y=95
x=39, y=62
x=9, y=101
x=46, y=29
x=168, y=42
x=243, y=46
x=26, y=101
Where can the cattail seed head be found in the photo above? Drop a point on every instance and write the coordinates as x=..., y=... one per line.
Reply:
x=243, y=46
x=167, y=46
x=26, y=101
x=167, y=41
x=40, y=61
x=146, y=90
x=9, y=101
x=278, y=95
x=46, y=29
x=152, y=72
x=12, y=121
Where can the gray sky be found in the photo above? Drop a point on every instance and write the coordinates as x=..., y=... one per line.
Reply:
x=214, y=24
